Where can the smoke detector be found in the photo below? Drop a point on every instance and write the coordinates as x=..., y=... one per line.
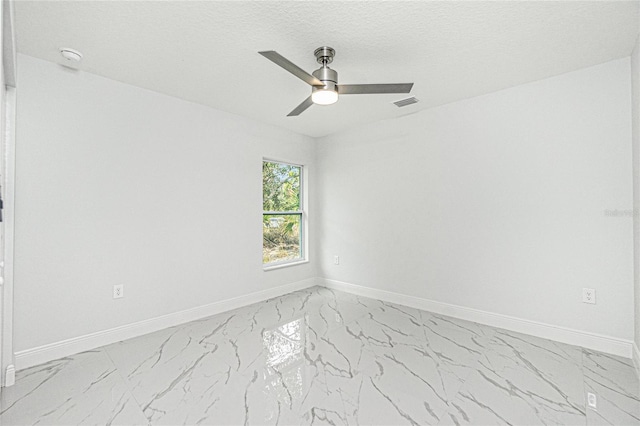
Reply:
x=71, y=55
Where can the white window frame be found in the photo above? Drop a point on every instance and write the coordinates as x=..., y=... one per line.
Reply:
x=303, y=218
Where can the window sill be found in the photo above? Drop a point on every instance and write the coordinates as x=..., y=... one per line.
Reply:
x=284, y=265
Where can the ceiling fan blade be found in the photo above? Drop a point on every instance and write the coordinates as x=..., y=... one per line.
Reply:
x=301, y=108
x=280, y=60
x=365, y=89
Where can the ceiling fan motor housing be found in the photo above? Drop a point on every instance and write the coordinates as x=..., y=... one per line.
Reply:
x=328, y=76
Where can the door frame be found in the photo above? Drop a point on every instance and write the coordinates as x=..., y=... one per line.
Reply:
x=7, y=138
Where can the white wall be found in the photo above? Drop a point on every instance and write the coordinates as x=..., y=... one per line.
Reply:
x=116, y=184
x=495, y=203
x=635, y=82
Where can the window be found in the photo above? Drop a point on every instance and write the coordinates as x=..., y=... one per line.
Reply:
x=282, y=215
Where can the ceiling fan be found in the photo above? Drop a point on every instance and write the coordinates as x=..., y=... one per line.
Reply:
x=324, y=81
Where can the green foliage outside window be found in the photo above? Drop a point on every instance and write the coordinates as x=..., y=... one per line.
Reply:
x=281, y=197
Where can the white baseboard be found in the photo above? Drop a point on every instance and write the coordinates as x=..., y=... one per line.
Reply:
x=607, y=344
x=52, y=351
x=49, y=352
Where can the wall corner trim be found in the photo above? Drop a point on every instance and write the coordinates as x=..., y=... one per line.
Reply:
x=10, y=376
x=41, y=354
x=607, y=344
x=636, y=358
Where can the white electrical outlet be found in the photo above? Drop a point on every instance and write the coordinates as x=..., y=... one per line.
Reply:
x=589, y=295
x=592, y=400
x=336, y=260
x=118, y=291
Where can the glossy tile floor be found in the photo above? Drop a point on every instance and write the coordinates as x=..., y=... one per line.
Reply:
x=324, y=357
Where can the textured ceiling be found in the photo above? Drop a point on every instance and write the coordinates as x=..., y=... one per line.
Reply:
x=206, y=52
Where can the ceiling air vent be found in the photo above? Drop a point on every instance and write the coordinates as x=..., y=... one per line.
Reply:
x=404, y=102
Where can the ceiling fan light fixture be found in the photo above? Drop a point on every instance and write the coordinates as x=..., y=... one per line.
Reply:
x=324, y=81
x=324, y=96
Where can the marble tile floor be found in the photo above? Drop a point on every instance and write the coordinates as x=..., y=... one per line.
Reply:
x=319, y=356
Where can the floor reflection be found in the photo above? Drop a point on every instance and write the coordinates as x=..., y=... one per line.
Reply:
x=285, y=373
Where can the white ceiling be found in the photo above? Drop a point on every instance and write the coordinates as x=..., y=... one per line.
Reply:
x=206, y=52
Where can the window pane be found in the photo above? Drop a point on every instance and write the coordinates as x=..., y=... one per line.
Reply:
x=280, y=187
x=281, y=238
